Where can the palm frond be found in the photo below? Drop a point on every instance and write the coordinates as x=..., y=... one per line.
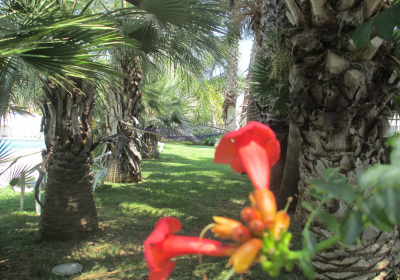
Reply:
x=63, y=47
x=188, y=14
x=268, y=81
x=18, y=173
x=5, y=152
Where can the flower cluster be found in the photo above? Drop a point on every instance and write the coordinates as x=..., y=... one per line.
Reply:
x=261, y=220
x=263, y=237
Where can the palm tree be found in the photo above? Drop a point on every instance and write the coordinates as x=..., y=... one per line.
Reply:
x=165, y=106
x=65, y=44
x=263, y=19
x=340, y=104
x=56, y=47
x=266, y=19
x=167, y=38
x=179, y=108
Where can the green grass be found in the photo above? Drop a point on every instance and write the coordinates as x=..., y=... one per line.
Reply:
x=183, y=183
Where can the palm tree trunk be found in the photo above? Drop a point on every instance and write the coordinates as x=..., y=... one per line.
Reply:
x=340, y=105
x=265, y=45
x=250, y=111
x=231, y=91
x=290, y=176
x=123, y=111
x=150, y=146
x=69, y=210
x=117, y=172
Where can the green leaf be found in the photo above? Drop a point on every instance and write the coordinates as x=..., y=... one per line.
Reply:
x=374, y=214
x=362, y=34
x=391, y=200
x=383, y=208
x=337, y=189
x=390, y=176
x=307, y=269
x=329, y=220
x=315, y=194
x=370, y=177
x=395, y=154
x=330, y=173
x=308, y=205
x=351, y=227
x=385, y=23
x=268, y=81
x=310, y=242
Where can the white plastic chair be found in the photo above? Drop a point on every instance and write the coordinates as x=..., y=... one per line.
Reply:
x=161, y=146
x=30, y=187
x=100, y=174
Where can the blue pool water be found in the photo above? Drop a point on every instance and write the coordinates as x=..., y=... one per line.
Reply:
x=21, y=144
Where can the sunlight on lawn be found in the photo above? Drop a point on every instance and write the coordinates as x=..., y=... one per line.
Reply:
x=184, y=183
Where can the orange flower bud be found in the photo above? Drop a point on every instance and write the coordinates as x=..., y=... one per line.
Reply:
x=249, y=213
x=241, y=234
x=224, y=228
x=245, y=255
x=282, y=222
x=266, y=204
x=252, y=199
x=257, y=227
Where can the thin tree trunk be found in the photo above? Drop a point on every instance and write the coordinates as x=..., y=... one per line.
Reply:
x=231, y=91
x=250, y=111
x=290, y=177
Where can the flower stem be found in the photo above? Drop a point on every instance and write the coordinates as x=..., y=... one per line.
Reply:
x=199, y=254
x=327, y=243
x=229, y=275
x=312, y=215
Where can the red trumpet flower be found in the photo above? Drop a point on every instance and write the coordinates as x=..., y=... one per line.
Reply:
x=252, y=149
x=162, y=245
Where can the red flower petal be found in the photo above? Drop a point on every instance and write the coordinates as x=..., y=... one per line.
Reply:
x=237, y=165
x=167, y=268
x=273, y=149
x=163, y=228
x=255, y=161
x=162, y=245
x=226, y=151
x=253, y=149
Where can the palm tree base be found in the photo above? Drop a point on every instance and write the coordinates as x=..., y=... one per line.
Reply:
x=69, y=210
x=376, y=257
x=117, y=176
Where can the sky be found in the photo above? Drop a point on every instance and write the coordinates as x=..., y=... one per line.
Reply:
x=244, y=60
x=244, y=57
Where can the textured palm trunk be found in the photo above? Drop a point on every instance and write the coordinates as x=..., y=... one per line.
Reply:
x=250, y=111
x=123, y=112
x=266, y=29
x=69, y=209
x=290, y=175
x=231, y=91
x=340, y=102
x=150, y=146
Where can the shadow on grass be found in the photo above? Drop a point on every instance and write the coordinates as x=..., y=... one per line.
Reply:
x=184, y=183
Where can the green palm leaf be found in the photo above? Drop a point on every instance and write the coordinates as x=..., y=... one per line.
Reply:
x=268, y=82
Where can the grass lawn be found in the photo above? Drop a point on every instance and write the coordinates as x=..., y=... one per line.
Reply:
x=184, y=183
